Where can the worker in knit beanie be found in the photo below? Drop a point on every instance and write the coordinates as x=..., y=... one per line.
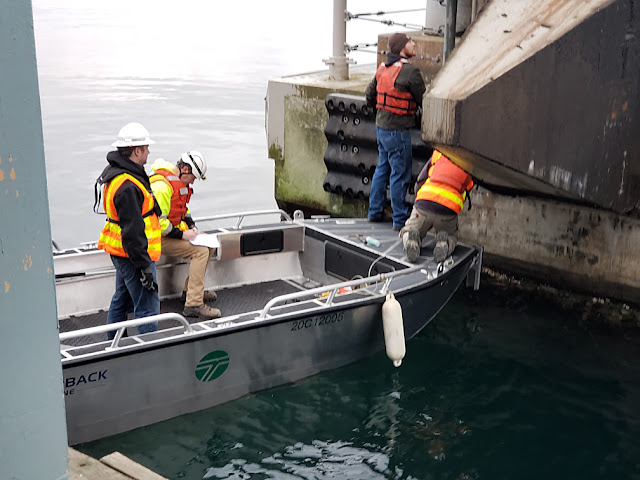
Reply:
x=397, y=41
x=396, y=93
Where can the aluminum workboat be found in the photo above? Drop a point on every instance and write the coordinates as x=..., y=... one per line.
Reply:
x=298, y=296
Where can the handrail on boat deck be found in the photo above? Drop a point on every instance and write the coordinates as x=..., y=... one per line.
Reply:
x=120, y=326
x=242, y=215
x=384, y=278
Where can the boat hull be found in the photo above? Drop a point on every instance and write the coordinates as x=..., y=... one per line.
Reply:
x=123, y=390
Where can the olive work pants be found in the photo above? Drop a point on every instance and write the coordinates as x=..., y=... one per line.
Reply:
x=422, y=221
x=199, y=258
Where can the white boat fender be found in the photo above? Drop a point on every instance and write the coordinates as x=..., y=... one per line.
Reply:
x=393, y=329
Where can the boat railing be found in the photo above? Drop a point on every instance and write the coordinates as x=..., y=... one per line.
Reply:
x=334, y=289
x=242, y=215
x=121, y=326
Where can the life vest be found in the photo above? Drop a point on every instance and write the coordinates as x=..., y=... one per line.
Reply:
x=447, y=184
x=389, y=98
x=180, y=196
x=111, y=236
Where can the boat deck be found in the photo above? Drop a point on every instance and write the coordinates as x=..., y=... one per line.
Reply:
x=336, y=250
x=356, y=231
x=231, y=302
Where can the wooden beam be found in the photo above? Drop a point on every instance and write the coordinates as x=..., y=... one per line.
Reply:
x=119, y=462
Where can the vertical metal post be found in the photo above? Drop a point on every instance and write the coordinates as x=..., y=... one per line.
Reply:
x=450, y=29
x=426, y=14
x=33, y=433
x=338, y=63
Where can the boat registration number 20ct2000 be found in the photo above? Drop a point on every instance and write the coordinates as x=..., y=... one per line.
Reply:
x=298, y=296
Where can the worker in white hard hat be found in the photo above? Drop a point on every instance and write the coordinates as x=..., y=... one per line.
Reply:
x=171, y=185
x=132, y=233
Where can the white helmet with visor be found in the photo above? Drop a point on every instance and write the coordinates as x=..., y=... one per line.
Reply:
x=197, y=163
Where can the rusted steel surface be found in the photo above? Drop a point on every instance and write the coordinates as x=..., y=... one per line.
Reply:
x=564, y=122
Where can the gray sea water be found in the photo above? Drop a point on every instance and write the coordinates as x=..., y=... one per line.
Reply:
x=501, y=385
x=194, y=72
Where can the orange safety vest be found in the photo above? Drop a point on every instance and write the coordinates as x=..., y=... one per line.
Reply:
x=180, y=196
x=389, y=98
x=111, y=236
x=447, y=184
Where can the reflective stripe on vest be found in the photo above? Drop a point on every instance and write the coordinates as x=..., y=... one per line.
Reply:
x=447, y=183
x=445, y=171
x=389, y=98
x=180, y=196
x=111, y=236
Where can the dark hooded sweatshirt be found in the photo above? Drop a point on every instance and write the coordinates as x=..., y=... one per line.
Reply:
x=409, y=80
x=128, y=202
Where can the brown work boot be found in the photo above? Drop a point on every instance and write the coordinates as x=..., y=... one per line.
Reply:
x=441, y=250
x=411, y=242
x=204, y=312
x=209, y=296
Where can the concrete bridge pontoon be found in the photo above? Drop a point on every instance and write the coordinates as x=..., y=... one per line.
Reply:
x=539, y=101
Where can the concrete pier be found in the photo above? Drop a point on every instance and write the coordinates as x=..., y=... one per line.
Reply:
x=550, y=239
x=584, y=249
x=295, y=120
x=543, y=96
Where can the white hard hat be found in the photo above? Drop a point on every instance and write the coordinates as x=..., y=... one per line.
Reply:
x=197, y=163
x=133, y=135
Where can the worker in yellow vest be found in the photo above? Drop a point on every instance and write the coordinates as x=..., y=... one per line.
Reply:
x=171, y=185
x=438, y=202
x=131, y=234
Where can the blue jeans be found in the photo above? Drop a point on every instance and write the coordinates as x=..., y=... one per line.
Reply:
x=131, y=295
x=394, y=168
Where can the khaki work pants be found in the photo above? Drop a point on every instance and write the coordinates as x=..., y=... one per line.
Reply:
x=199, y=257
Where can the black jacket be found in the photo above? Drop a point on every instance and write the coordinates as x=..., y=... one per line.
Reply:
x=409, y=80
x=128, y=202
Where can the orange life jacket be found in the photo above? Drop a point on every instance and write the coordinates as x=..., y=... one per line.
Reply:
x=447, y=184
x=111, y=236
x=389, y=98
x=180, y=196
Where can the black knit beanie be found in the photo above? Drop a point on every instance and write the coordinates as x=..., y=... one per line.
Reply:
x=397, y=41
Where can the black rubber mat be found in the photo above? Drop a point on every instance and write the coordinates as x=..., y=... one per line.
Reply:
x=230, y=301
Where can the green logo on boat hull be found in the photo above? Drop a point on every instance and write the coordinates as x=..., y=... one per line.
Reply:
x=212, y=365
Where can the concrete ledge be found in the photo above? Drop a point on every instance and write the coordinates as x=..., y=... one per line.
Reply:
x=568, y=246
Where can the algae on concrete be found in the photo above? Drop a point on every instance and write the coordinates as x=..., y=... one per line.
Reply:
x=300, y=168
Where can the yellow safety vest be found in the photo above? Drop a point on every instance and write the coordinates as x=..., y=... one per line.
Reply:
x=447, y=183
x=111, y=236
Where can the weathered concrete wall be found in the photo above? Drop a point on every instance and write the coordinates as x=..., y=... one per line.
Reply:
x=296, y=117
x=558, y=243
x=564, y=245
x=549, y=91
x=33, y=437
x=295, y=120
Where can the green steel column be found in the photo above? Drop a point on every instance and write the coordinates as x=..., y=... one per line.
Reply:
x=33, y=439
